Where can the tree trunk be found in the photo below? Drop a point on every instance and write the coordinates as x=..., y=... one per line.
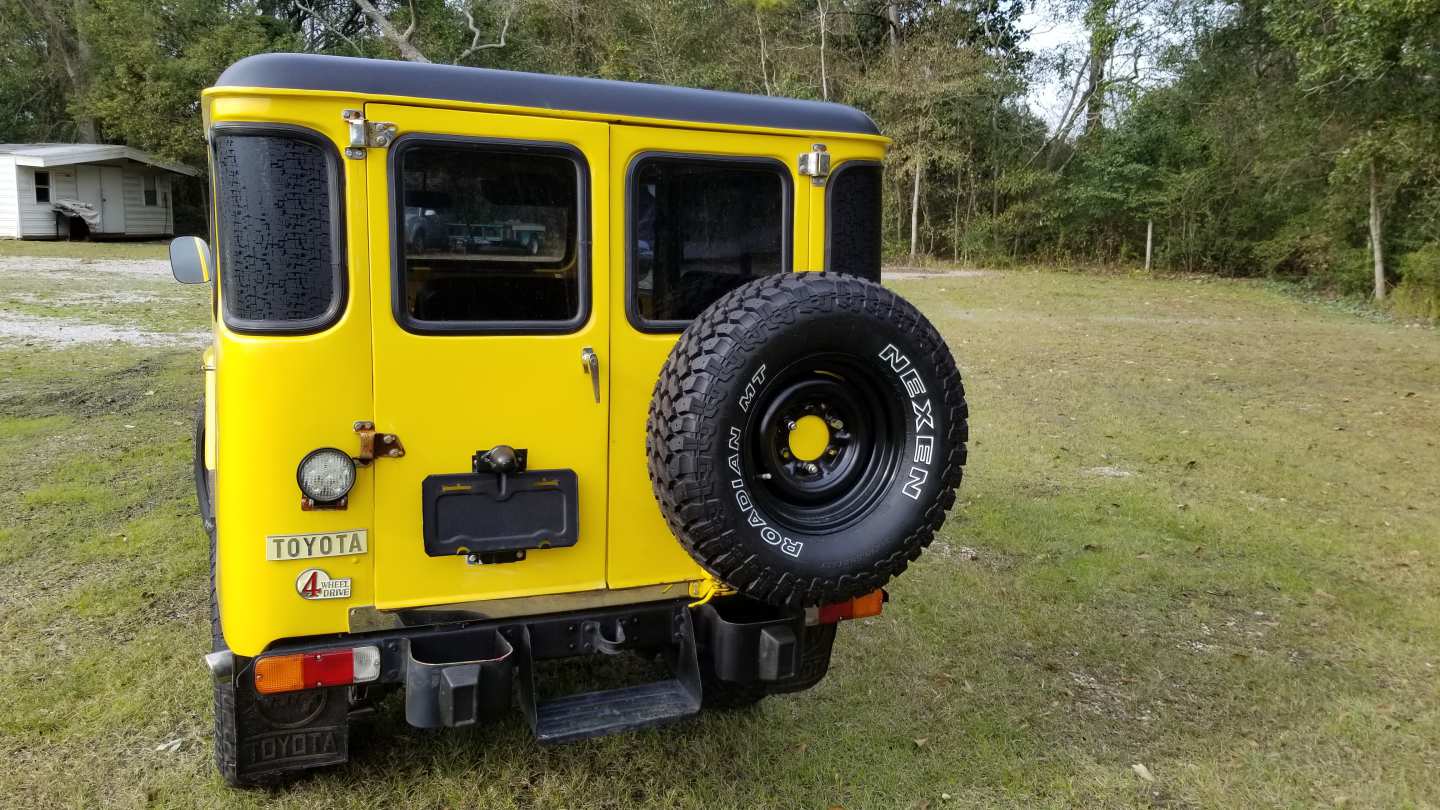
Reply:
x=401, y=41
x=1102, y=42
x=764, y=68
x=915, y=210
x=1149, y=241
x=1377, y=233
x=824, y=79
x=955, y=220
x=71, y=51
x=84, y=122
x=892, y=16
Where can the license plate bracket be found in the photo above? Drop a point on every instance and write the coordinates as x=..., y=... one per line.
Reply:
x=486, y=513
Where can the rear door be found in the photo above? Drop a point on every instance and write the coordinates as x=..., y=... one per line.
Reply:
x=698, y=214
x=487, y=235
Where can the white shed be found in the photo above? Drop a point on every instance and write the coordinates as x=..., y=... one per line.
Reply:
x=57, y=190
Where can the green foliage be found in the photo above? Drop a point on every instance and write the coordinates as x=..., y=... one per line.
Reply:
x=1253, y=156
x=154, y=59
x=1418, y=294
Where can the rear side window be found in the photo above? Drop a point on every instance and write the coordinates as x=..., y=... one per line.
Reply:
x=488, y=237
x=278, y=227
x=852, y=221
x=699, y=228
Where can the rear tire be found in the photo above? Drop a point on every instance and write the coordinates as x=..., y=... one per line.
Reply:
x=226, y=733
x=806, y=437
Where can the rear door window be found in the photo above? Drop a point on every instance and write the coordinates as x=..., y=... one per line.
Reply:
x=700, y=227
x=488, y=237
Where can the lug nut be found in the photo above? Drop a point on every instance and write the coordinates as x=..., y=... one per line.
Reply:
x=837, y=424
x=789, y=424
x=811, y=468
x=784, y=453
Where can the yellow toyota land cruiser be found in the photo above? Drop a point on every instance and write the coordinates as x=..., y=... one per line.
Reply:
x=510, y=368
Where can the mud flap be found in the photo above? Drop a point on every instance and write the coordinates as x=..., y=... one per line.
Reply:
x=294, y=731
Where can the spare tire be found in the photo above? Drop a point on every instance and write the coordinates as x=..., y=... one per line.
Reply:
x=806, y=437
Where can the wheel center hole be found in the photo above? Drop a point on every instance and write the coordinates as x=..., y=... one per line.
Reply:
x=809, y=438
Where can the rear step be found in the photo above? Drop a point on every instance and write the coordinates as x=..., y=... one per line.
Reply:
x=591, y=714
x=609, y=711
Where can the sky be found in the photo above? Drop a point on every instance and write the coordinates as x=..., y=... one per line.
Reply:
x=1048, y=92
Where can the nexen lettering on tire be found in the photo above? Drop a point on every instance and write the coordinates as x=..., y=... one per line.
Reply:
x=924, y=419
x=790, y=523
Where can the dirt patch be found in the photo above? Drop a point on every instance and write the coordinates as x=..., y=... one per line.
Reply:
x=31, y=330
x=104, y=297
x=906, y=273
x=148, y=269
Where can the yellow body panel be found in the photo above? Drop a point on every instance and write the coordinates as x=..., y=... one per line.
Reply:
x=642, y=549
x=276, y=399
x=272, y=399
x=450, y=395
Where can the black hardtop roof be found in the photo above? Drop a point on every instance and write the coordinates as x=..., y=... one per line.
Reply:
x=297, y=71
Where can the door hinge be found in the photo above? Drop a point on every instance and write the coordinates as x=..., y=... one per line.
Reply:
x=815, y=164
x=367, y=134
x=376, y=445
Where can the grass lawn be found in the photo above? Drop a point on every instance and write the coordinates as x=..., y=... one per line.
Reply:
x=1198, y=534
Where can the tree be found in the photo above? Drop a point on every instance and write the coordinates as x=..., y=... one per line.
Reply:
x=1377, y=66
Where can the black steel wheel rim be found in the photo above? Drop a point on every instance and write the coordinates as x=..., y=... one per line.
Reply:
x=866, y=436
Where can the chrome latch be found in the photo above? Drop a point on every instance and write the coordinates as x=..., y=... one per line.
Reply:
x=815, y=164
x=356, y=121
x=367, y=134
x=380, y=134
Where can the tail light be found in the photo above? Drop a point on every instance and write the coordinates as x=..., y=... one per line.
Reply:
x=310, y=670
x=858, y=608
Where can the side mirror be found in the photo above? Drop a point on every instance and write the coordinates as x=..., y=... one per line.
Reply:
x=190, y=260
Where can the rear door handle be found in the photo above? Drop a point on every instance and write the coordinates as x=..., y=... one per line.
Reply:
x=591, y=362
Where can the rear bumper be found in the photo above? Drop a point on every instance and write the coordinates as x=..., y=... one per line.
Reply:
x=468, y=672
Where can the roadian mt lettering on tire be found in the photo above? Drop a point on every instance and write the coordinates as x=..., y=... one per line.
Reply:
x=806, y=437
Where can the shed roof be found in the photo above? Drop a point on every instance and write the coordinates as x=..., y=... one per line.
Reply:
x=536, y=90
x=42, y=155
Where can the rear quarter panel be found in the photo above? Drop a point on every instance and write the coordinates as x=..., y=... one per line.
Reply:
x=277, y=398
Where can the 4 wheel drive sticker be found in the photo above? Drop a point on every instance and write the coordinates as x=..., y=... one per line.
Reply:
x=747, y=506
x=924, y=419
x=305, y=546
x=314, y=583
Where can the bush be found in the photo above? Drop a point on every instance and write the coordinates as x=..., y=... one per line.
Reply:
x=1418, y=293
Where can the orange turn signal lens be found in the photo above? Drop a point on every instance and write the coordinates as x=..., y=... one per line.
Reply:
x=858, y=608
x=279, y=673
x=868, y=605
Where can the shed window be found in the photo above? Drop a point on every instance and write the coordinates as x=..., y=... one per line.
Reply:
x=699, y=228
x=278, y=227
x=852, y=222
x=151, y=197
x=488, y=237
x=42, y=187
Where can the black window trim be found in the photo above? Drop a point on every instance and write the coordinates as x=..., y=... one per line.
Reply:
x=583, y=245
x=830, y=195
x=339, y=255
x=787, y=225
x=49, y=178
